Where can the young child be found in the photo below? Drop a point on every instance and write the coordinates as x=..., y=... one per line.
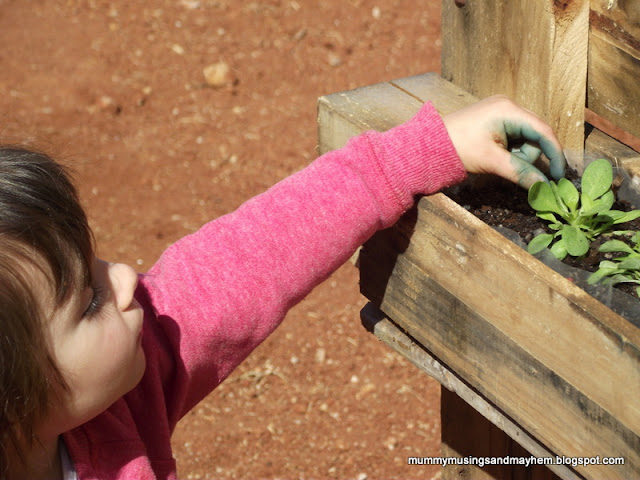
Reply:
x=97, y=365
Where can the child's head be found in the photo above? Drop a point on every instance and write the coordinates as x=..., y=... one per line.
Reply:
x=48, y=300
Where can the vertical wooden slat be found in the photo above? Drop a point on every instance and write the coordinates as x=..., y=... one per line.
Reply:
x=614, y=64
x=466, y=434
x=534, y=51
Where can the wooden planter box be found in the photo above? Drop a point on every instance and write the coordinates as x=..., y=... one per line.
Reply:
x=548, y=363
x=543, y=361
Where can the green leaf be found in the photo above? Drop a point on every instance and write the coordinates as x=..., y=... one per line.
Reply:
x=542, y=199
x=595, y=209
x=630, y=264
x=548, y=216
x=608, y=199
x=615, y=246
x=621, y=278
x=559, y=249
x=539, y=243
x=586, y=203
x=568, y=193
x=597, y=178
x=626, y=216
x=608, y=264
x=601, y=273
x=615, y=215
x=559, y=200
x=576, y=242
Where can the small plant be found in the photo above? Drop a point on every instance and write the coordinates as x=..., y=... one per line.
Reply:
x=623, y=269
x=577, y=217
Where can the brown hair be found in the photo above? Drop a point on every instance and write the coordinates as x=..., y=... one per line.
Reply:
x=42, y=225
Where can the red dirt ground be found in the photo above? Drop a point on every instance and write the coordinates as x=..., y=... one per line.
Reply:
x=116, y=89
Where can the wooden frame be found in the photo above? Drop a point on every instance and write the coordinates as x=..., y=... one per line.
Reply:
x=553, y=368
x=562, y=366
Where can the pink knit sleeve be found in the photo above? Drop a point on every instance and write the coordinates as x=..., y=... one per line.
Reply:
x=218, y=293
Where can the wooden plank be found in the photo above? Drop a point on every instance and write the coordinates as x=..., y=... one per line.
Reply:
x=386, y=331
x=383, y=106
x=534, y=51
x=600, y=145
x=552, y=358
x=444, y=95
x=345, y=114
x=466, y=433
x=618, y=22
x=614, y=63
x=612, y=129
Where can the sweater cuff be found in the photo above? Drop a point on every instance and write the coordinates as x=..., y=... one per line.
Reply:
x=418, y=156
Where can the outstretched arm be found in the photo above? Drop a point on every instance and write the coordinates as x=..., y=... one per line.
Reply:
x=218, y=293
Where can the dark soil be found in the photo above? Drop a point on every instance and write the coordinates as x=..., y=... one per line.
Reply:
x=502, y=204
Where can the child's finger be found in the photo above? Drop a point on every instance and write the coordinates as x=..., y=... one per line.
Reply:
x=525, y=174
x=543, y=136
x=516, y=168
x=528, y=152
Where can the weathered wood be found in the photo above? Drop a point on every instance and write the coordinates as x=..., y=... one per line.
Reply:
x=614, y=63
x=466, y=434
x=601, y=145
x=343, y=115
x=534, y=51
x=612, y=130
x=384, y=329
x=382, y=106
x=562, y=365
x=522, y=335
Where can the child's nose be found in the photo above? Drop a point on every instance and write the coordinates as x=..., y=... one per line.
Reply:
x=124, y=280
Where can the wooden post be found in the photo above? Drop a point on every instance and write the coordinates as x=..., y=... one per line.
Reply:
x=534, y=51
x=558, y=363
x=614, y=64
x=466, y=433
x=471, y=425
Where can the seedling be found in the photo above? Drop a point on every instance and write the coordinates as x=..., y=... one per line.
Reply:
x=576, y=217
x=623, y=269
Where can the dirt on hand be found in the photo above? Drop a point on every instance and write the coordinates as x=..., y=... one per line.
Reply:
x=174, y=112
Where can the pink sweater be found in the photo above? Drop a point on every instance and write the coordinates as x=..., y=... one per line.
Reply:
x=215, y=295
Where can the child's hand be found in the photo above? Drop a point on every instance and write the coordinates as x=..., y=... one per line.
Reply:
x=482, y=131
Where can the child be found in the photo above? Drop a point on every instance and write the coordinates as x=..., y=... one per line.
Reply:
x=97, y=365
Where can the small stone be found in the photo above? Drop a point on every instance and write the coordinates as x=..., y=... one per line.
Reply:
x=321, y=355
x=179, y=49
x=217, y=75
x=334, y=60
x=190, y=4
x=391, y=443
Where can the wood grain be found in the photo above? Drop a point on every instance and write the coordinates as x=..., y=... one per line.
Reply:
x=556, y=361
x=559, y=363
x=614, y=64
x=534, y=51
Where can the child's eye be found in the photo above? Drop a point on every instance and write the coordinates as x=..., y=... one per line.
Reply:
x=97, y=301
